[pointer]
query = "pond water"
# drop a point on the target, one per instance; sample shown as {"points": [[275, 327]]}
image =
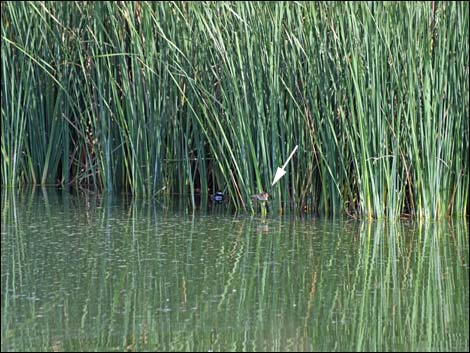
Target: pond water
{"points": [[82, 273]]}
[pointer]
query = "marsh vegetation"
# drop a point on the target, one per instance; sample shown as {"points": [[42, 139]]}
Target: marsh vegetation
{"points": [[158, 99]]}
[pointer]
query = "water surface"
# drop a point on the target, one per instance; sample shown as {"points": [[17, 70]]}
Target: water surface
{"points": [[113, 274]]}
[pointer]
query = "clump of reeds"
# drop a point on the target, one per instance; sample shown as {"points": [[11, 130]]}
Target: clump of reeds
{"points": [[188, 98]]}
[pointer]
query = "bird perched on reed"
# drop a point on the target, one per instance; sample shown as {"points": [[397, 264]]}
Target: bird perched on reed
{"points": [[260, 197]]}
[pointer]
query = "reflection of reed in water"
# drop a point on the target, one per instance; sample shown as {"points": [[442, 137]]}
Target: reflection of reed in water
{"points": [[299, 266], [262, 227]]}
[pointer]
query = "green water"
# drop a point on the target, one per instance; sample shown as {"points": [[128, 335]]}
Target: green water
{"points": [[110, 274]]}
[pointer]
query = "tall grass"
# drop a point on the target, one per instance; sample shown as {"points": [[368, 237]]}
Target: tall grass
{"points": [[191, 98]]}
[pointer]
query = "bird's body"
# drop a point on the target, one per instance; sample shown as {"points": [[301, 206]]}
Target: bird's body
{"points": [[260, 197], [217, 197]]}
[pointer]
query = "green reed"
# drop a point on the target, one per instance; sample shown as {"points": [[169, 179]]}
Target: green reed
{"points": [[191, 98]]}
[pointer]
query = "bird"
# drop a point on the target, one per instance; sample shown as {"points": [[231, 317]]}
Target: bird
{"points": [[260, 197], [217, 197]]}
